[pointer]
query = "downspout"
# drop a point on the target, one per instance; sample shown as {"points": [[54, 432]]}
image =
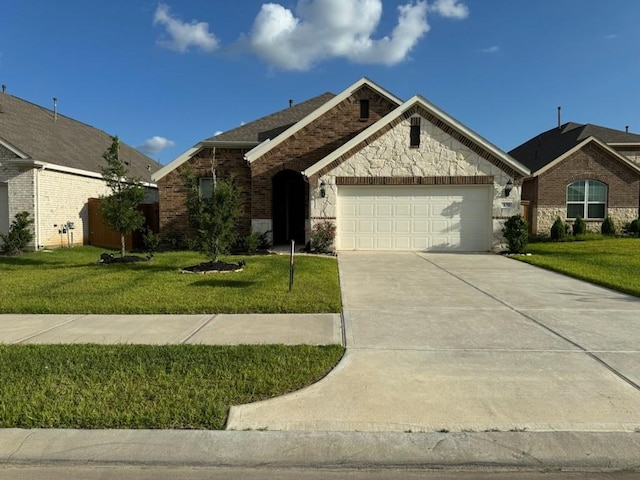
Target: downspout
{"points": [[37, 205]]}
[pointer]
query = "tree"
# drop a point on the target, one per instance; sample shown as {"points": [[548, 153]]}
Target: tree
{"points": [[120, 209], [213, 217]]}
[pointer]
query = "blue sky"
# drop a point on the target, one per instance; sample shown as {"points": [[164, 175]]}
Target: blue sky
{"points": [[165, 75]]}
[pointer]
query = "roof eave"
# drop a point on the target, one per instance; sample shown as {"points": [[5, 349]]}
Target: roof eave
{"points": [[577, 147]]}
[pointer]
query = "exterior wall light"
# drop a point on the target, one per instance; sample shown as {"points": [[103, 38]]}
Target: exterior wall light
{"points": [[508, 187], [323, 192]]}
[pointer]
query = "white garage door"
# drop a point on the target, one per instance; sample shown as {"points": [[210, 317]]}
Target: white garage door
{"points": [[434, 218]]}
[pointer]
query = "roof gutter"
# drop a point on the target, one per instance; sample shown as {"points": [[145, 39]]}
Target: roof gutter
{"points": [[60, 168]]}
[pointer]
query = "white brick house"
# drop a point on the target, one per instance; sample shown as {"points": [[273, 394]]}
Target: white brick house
{"points": [[50, 166]]}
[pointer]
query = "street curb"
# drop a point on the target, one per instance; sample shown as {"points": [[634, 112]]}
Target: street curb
{"points": [[513, 450]]}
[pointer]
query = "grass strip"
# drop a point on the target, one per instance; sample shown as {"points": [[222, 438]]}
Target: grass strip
{"points": [[70, 281], [90, 386], [610, 262]]}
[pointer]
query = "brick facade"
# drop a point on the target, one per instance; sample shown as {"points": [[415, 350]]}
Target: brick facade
{"points": [[298, 152], [311, 144], [229, 162], [547, 191]]}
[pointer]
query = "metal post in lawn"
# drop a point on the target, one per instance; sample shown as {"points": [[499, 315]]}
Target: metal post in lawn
{"points": [[291, 255]]}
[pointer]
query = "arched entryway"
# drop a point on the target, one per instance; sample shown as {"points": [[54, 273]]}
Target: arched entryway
{"points": [[288, 207]]}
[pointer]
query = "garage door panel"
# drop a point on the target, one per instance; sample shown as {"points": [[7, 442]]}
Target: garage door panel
{"points": [[445, 218]]}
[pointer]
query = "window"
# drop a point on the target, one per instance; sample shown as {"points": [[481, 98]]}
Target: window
{"points": [[206, 187], [414, 133], [364, 109], [587, 199]]}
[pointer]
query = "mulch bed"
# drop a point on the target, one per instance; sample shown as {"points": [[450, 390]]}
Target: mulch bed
{"points": [[109, 258], [214, 267]]}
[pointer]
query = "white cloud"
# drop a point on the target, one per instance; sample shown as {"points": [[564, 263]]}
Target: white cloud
{"points": [[155, 144], [183, 35], [491, 49], [450, 9], [324, 29]]}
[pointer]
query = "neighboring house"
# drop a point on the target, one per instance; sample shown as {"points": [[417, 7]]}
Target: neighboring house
{"points": [[581, 170], [50, 166], [391, 175]]}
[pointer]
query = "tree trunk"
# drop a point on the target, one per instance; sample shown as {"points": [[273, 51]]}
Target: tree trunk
{"points": [[122, 245]]}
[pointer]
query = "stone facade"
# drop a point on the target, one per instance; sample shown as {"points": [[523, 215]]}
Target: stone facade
{"points": [[547, 191], [439, 158]]}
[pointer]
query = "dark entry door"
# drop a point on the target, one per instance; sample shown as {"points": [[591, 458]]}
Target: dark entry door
{"points": [[288, 207]]}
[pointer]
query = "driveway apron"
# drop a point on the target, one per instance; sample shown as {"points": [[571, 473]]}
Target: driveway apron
{"points": [[469, 342]]}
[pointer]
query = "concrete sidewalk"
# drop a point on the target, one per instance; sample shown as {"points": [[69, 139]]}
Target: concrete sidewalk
{"points": [[222, 329]]}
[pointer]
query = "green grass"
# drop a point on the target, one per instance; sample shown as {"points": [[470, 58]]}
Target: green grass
{"points": [[70, 281], [141, 386], [610, 262]]}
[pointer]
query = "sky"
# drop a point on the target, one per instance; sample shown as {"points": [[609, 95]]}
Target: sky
{"points": [[165, 75]]}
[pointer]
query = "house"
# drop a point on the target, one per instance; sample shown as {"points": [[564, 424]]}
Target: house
{"points": [[580, 170], [50, 165], [391, 175]]}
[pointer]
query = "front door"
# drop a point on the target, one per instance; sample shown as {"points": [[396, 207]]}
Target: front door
{"points": [[288, 207]]}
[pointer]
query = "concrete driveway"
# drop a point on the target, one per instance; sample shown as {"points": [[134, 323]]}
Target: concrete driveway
{"points": [[469, 342]]}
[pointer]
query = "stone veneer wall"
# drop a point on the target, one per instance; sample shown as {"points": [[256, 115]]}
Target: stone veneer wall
{"points": [[439, 155], [547, 215]]}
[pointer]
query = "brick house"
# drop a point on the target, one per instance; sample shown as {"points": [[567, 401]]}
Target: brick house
{"points": [[50, 165], [581, 170], [390, 174]]}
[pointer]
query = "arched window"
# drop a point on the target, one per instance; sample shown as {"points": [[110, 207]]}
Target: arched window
{"points": [[587, 199]]}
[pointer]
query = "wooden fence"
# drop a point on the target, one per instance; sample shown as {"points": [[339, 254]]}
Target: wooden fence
{"points": [[100, 235]]}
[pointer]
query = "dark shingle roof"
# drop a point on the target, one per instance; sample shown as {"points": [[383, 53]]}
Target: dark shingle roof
{"points": [[67, 142], [546, 147], [274, 124]]}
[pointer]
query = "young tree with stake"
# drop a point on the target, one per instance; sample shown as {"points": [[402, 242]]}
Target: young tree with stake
{"points": [[120, 209]]}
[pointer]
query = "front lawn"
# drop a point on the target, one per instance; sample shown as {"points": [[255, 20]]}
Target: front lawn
{"points": [[142, 386], [70, 281], [610, 262]]}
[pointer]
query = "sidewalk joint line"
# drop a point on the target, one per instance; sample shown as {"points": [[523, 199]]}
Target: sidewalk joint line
{"points": [[198, 329], [22, 340]]}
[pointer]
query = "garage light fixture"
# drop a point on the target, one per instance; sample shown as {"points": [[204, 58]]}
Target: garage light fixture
{"points": [[323, 192], [508, 187]]}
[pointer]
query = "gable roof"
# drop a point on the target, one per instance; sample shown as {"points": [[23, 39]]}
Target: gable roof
{"points": [[36, 135], [272, 125], [548, 146], [250, 134], [268, 144], [419, 105]]}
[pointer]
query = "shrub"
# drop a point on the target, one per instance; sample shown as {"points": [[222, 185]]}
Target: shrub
{"points": [[558, 230], [322, 236], [608, 227], [151, 240], [579, 226], [252, 243], [632, 228], [516, 231], [19, 234]]}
